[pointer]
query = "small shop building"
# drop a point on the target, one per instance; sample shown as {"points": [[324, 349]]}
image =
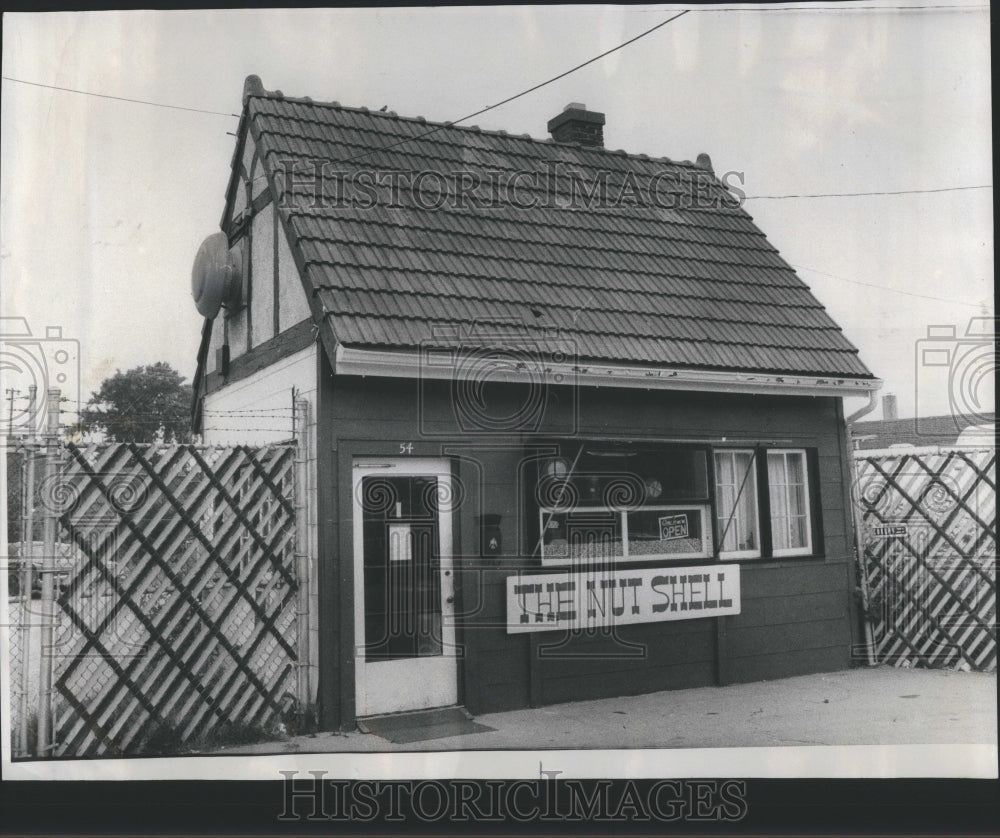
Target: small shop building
{"points": [[575, 429]]}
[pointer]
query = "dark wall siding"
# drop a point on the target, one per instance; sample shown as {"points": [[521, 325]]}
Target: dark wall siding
{"points": [[332, 710], [639, 659], [795, 611], [646, 680], [786, 610]]}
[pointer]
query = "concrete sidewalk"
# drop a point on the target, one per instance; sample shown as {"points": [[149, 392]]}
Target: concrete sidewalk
{"points": [[878, 706]]}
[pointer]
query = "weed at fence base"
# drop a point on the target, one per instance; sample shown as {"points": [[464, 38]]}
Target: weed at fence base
{"points": [[166, 739]]}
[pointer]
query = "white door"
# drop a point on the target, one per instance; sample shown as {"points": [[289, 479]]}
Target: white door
{"points": [[404, 627]]}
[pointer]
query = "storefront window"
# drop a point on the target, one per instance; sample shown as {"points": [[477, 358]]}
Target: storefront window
{"points": [[624, 504], [633, 504]]}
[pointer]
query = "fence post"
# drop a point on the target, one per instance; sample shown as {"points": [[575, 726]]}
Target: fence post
{"points": [[50, 518], [301, 557], [861, 562]]}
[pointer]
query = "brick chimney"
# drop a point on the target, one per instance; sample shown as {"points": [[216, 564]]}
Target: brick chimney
{"points": [[578, 125], [889, 411]]}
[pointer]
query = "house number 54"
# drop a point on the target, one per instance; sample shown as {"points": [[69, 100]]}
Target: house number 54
{"points": [[406, 448]]}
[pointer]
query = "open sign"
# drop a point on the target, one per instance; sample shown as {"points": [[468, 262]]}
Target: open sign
{"points": [[673, 526]]}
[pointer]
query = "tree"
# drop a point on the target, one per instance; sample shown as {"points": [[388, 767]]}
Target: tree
{"points": [[145, 404]]}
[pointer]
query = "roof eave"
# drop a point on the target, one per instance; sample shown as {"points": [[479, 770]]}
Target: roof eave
{"points": [[394, 363]]}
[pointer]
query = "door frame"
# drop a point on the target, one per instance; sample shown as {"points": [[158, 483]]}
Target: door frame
{"points": [[447, 662]]}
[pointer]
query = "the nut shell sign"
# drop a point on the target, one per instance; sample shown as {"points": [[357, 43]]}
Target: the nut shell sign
{"points": [[577, 600]]}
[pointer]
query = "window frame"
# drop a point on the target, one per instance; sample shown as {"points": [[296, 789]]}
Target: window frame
{"points": [[807, 550], [703, 509], [758, 553], [708, 507]]}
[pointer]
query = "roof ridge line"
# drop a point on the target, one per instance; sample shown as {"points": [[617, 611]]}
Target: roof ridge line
{"points": [[645, 158], [440, 126], [539, 158]]}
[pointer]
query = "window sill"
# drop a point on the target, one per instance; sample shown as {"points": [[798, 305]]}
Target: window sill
{"points": [[780, 561]]}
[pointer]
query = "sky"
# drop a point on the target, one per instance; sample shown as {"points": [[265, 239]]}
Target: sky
{"points": [[103, 202]]}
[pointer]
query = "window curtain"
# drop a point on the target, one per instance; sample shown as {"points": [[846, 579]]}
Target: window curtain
{"points": [[786, 477], [740, 527]]}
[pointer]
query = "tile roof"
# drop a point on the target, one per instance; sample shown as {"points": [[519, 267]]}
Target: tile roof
{"points": [[680, 277]]}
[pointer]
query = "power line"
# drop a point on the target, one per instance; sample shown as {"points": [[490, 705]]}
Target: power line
{"points": [[117, 98], [587, 63], [434, 130], [531, 89], [832, 9], [864, 194], [887, 288]]}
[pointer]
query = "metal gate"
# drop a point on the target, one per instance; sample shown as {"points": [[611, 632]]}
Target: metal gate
{"points": [[167, 599], [927, 530]]}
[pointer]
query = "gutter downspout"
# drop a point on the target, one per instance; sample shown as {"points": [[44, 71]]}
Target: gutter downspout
{"points": [[863, 411], [859, 549]]}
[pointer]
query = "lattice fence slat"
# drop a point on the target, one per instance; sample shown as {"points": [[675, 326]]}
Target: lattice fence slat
{"points": [[928, 527], [176, 606]]}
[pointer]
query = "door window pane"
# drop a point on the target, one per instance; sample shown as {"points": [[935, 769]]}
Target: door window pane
{"points": [[736, 503], [402, 568]]}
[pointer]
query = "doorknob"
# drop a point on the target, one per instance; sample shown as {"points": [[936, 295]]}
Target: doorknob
{"points": [[450, 600]]}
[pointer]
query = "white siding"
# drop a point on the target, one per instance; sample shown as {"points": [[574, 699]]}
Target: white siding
{"points": [[262, 276], [257, 410], [218, 328], [293, 306], [258, 184], [237, 324]]}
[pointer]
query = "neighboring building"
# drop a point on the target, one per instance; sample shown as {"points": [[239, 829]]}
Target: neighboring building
{"points": [[528, 417], [922, 431]]}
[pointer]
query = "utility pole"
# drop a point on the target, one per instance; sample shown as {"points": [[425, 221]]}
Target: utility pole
{"points": [[10, 411], [32, 409]]}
